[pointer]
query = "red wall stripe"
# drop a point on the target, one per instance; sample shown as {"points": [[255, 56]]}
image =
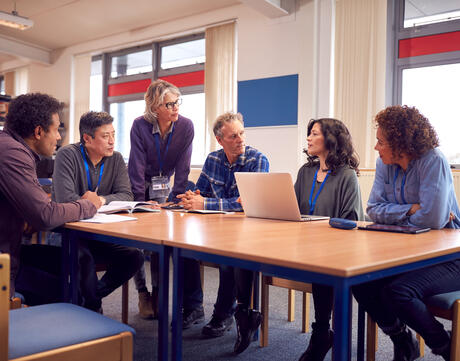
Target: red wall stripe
{"points": [[186, 79], [431, 44], [130, 87], [140, 86]]}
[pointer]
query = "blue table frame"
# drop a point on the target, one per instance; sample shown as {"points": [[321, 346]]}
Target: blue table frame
{"points": [[342, 293], [70, 271], [175, 244]]}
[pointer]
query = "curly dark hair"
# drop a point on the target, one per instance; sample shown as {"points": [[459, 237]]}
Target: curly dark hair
{"points": [[338, 142], [407, 131], [90, 121], [28, 111]]}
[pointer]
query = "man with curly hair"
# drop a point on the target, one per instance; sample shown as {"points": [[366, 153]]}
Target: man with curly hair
{"points": [[413, 186], [31, 130]]}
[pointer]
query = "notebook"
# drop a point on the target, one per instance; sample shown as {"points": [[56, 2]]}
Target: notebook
{"points": [[270, 195]]}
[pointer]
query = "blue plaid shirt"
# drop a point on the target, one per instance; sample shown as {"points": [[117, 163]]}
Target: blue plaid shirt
{"points": [[217, 183]]}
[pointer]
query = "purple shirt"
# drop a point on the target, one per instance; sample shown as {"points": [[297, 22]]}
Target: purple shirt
{"points": [[23, 200], [143, 159]]}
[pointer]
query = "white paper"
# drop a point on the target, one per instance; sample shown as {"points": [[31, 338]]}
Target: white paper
{"points": [[108, 218]]}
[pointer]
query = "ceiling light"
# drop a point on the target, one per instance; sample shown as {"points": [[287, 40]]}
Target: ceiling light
{"points": [[13, 20]]}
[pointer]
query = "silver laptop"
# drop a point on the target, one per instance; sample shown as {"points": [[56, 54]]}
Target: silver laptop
{"points": [[270, 195]]}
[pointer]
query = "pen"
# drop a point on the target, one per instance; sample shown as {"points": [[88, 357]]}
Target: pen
{"points": [[95, 191]]}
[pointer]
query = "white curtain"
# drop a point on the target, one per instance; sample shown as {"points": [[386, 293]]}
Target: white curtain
{"points": [[360, 56], [21, 81], [220, 76]]}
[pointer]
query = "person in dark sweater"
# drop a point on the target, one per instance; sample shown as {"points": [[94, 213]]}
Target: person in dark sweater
{"points": [[327, 185], [31, 130], [93, 166], [161, 145]]}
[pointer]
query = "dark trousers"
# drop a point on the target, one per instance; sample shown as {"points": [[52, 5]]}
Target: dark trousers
{"points": [[121, 264], [323, 297], [234, 284], [38, 278], [193, 291], [397, 299]]}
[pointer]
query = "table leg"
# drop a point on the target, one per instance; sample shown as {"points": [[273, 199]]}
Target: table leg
{"points": [[163, 328], [178, 290], [69, 266], [361, 329], [342, 321]]}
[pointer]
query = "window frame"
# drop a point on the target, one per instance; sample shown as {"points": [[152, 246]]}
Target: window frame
{"points": [[156, 72], [396, 12], [396, 65]]}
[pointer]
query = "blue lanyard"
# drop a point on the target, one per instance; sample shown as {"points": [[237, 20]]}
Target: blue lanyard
{"points": [[312, 204], [157, 144], [403, 182], [88, 176]]}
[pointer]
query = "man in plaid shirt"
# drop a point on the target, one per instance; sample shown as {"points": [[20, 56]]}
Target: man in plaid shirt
{"points": [[216, 190]]}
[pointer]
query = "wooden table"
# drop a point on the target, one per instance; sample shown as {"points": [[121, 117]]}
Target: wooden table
{"points": [[301, 251], [305, 251]]}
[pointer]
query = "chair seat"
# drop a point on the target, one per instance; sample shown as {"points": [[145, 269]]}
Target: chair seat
{"points": [[443, 301], [47, 327]]}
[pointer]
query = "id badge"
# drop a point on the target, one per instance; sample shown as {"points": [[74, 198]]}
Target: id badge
{"points": [[159, 188]]}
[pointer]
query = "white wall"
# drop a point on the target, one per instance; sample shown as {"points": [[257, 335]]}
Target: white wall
{"points": [[266, 48], [276, 47]]}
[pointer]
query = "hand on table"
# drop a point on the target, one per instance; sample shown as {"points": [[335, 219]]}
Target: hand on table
{"points": [[191, 200], [93, 198]]}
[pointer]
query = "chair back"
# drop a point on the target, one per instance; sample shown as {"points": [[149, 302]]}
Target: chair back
{"points": [[4, 304]]}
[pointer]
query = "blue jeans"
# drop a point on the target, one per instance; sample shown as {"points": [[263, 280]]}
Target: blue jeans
{"points": [[397, 299]]}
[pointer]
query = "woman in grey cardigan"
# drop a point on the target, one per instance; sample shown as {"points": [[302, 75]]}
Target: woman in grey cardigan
{"points": [[327, 185]]}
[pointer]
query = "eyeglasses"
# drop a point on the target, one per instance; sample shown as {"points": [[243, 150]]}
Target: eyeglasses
{"points": [[171, 105]]}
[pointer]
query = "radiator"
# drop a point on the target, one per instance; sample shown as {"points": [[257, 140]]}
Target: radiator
{"points": [[366, 179]]}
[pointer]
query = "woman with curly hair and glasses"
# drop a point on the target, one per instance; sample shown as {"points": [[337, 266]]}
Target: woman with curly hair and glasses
{"points": [[327, 185], [413, 186]]}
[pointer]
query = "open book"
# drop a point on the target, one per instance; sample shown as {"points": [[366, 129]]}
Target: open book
{"points": [[126, 206]]}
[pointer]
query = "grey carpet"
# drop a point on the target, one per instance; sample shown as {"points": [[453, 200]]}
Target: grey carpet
{"points": [[286, 342]]}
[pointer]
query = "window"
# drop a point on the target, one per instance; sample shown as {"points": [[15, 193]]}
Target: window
{"points": [[129, 72], [2, 85], [189, 53], [423, 12], [132, 63], [426, 65]]}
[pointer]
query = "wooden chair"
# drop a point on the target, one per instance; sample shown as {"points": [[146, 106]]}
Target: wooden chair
{"points": [[58, 331], [15, 303], [124, 295], [445, 305], [292, 286]]}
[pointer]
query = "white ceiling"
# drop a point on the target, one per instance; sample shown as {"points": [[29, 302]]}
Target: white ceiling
{"points": [[61, 23]]}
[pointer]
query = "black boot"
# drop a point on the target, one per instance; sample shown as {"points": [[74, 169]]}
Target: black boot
{"points": [[406, 347], [247, 323], [320, 343], [444, 351]]}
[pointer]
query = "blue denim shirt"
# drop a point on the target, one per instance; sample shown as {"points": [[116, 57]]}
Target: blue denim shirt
{"points": [[217, 181], [428, 181]]}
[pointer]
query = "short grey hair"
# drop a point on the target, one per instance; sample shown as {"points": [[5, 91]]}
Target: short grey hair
{"points": [[155, 95], [228, 117]]}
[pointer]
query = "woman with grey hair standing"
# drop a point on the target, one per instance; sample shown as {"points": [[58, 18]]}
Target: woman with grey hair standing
{"points": [[161, 145]]}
